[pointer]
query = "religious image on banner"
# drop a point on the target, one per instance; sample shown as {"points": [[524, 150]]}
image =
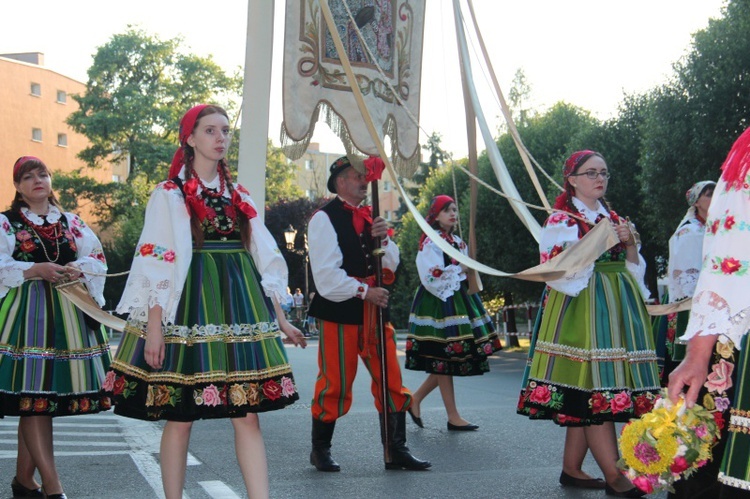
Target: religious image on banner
{"points": [[387, 58]]}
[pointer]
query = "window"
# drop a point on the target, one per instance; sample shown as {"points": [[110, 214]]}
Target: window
{"points": [[62, 97], [115, 178], [387, 215], [36, 89], [386, 186], [308, 164], [36, 134], [310, 194], [62, 140]]}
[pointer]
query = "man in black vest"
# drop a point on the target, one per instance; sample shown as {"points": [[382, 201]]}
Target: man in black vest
{"points": [[341, 240]]}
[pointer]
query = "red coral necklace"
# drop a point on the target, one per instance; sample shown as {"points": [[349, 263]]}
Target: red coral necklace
{"points": [[210, 192]]}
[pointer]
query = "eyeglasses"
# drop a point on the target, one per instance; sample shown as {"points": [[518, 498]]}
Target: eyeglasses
{"points": [[592, 174]]}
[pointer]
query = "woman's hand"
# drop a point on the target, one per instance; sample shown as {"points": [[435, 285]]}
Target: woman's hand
{"points": [[693, 370], [293, 335], [624, 234], [153, 353], [48, 271]]}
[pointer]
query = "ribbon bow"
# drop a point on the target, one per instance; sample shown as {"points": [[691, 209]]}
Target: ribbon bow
{"points": [[374, 166], [360, 215], [193, 200], [245, 207]]}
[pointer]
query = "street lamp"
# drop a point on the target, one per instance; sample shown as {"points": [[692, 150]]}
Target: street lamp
{"points": [[289, 235]]}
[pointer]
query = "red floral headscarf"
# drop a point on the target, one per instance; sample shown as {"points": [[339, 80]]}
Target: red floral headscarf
{"points": [[438, 204], [737, 164], [571, 165], [22, 161]]}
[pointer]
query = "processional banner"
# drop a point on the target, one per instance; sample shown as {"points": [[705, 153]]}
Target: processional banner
{"points": [[389, 60]]}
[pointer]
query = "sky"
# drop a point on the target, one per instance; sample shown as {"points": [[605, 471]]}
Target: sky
{"points": [[589, 53]]}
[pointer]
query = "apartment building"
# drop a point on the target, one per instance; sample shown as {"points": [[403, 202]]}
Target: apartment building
{"points": [[312, 176], [35, 102]]}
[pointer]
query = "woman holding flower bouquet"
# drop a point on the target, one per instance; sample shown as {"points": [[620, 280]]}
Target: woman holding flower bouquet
{"points": [[450, 333], [719, 321], [592, 361], [203, 298]]}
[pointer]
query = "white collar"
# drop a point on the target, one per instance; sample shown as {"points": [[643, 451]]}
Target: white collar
{"points": [[213, 184], [52, 216], [587, 212]]}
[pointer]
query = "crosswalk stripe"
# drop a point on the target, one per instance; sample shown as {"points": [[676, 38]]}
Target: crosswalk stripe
{"points": [[219, 490]]}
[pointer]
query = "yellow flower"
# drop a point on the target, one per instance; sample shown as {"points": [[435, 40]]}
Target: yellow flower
{"points": [[725, 349], [708, 402]]}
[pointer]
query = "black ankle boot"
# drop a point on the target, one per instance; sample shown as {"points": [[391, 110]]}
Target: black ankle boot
{"points": [[320, 457], [401, 458]]}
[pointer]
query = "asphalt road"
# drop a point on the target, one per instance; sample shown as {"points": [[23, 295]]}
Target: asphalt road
{"points": [[106, 456]]}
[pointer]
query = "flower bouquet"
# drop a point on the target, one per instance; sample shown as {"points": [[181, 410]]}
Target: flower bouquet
{"points": [[666, 444]]}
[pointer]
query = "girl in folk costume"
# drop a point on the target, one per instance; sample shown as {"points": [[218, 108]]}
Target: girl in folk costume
{"points": [[203, 299], [450, 333], [719, 322], [592, 360], [52, 357], [685, 255]]}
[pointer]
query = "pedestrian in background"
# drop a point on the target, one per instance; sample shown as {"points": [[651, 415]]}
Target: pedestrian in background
{"points": [[592, 361], [204, 301], [299, 304], [450, 332], [52, 356]]}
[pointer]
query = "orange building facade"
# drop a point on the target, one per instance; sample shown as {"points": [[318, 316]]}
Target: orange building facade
{"points": [[35, 102]]}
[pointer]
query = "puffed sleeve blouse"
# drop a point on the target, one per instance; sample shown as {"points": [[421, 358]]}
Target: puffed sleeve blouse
{"points": [[438, 278]]}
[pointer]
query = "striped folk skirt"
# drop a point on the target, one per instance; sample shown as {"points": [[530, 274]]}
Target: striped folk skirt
{"points": [[53, 357], [592, 357], [223, 355], [735, 468], [452, 337]]}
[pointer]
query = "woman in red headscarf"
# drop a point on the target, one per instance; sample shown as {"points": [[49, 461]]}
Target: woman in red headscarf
{"points": [[450, 333], [592, 362], [52, 356], [203, 298]]}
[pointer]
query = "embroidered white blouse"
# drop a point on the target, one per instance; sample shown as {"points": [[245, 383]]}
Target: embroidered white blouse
{"points": [[90, 257], [558, 234], [165, 248], [685, 256], [721, 303], [326, 258], [439, 279]]}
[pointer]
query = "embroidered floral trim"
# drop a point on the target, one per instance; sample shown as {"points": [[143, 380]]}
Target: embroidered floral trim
{"points": [[644, 389], [596, 355], [153, 250], [728, 266]]}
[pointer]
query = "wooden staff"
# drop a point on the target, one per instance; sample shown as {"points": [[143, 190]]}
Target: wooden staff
{"points": [[373, 175]]}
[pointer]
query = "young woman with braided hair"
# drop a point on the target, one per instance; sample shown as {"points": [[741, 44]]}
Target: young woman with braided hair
{"points": [[592, 361], [203, 299]]}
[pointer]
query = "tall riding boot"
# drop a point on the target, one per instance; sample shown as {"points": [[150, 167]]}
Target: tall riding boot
{"points": [[401, 458], [320, 457]]}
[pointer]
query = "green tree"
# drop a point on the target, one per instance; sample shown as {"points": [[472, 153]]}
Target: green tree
{"points": [[280, 177], [691, 122], [137, 90]]}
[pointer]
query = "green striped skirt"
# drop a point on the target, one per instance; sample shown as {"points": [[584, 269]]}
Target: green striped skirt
{"points": [[53, 357], [735, 468], [452, 337], [224, 355], [593, 357]]}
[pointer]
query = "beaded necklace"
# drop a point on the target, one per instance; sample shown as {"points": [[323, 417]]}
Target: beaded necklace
{"points": [[210, 193], [52, 233]]}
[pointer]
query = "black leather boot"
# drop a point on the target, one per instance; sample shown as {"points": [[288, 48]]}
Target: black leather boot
{"points": [[320, 457], [401, 458]]}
